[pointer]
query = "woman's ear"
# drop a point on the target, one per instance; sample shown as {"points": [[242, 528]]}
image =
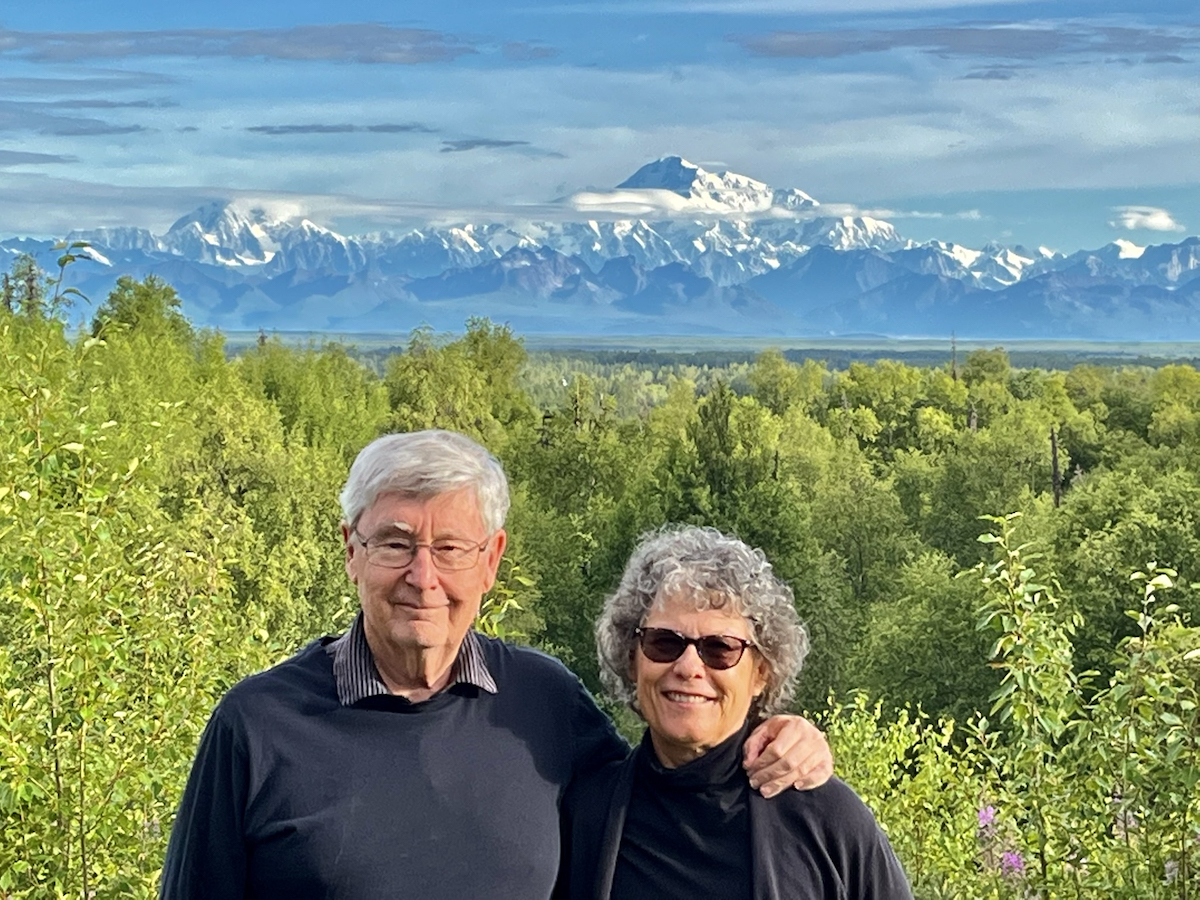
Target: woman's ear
{"points": [[633, 679], [762, 675]]}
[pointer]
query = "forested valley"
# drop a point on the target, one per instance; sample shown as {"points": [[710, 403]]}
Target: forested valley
{"points": [[996, 566]]}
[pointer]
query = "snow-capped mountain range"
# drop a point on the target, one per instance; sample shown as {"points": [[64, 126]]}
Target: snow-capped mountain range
{"points": [[672, 249]]}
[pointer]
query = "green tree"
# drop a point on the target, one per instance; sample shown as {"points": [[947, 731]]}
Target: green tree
{"points": [[150, 306], [1112, 523], [122, 632], [986, 366], [1175, 392], [921, 647], [467, 385], [1003, 466], [891, 391], [780, 385], [325, 397], [23, 289]]}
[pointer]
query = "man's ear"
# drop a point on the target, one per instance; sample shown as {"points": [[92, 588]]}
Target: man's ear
{"points": [[492, 556], [349, 549]]}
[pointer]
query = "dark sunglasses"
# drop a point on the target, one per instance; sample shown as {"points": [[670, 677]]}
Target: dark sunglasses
{"points": [[717, 651]]}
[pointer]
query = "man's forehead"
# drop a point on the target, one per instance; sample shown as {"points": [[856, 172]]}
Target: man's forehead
{"points": [[406, 511]]}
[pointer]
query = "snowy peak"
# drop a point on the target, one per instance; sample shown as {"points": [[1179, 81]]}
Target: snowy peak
{"points": [[964, 256], [119, 238], [229, 217], [792, 199], [227, 233], [1174, 263], [310, 247], [705, 193], [670, 173], [1128, 249], [854, 233]]}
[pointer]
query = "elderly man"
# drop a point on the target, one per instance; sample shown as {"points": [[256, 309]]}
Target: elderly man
{"points": [[410, 757]]}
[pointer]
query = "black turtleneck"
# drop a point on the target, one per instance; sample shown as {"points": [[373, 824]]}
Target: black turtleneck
{"points": [[637, 830], [687, 831]]}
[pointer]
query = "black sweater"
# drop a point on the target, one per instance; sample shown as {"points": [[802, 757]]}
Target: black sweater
{"points": [[295, 796], [687, 829], [822, 843]]}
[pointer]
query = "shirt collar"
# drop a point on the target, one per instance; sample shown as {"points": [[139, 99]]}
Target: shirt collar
{"points": [[356, 677]]}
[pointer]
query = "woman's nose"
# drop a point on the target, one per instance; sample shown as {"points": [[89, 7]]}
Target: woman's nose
{"points": [[689, 663]]}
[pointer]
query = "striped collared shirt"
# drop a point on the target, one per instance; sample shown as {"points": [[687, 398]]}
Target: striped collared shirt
{"points": [[356, 677]]}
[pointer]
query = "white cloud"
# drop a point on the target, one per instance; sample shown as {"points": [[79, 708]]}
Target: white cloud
{"points": [[1151, 218], [630, 202], [850, 209]]}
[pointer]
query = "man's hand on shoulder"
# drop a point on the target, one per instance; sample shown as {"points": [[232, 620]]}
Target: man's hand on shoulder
{"points": [[787, 751]]}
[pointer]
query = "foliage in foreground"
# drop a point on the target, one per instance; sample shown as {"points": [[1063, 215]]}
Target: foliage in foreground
{"points": [[1068, 792], [168, 524]]}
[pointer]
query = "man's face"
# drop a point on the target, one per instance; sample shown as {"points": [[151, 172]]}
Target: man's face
{"points": [[422, 607]]}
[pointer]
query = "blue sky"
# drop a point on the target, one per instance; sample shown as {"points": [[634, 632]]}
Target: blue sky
{"points": [[1066, 124]]}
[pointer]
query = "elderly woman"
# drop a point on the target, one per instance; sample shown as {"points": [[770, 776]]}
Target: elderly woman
{"points": [[702, 640]]}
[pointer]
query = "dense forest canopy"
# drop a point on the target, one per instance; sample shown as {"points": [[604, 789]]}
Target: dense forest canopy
{"points": [[1020, 711]]}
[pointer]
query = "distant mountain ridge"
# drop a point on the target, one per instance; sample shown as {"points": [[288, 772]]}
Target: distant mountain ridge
{"points": [[712, 253]]}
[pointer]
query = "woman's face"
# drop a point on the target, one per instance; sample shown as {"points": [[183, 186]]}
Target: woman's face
{"points": [[690, 707]]}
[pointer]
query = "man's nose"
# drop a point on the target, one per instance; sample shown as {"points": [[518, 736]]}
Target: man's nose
{"points": [[421, 572]]}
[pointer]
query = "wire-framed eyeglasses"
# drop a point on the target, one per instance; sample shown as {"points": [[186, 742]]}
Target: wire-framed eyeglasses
{"points": [[394, 550]]}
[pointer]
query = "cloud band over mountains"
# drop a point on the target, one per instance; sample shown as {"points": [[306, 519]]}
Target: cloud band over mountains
{"points": [[1016, 41], [462, 146], [25, 158], [346, 42], [315, 128]]}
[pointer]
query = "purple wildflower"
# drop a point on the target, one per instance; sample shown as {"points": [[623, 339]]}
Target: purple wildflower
{"points": [[1012, 864], [987, 815]]}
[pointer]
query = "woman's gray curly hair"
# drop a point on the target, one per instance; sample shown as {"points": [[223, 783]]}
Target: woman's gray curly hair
{"points": [[713, 571]]}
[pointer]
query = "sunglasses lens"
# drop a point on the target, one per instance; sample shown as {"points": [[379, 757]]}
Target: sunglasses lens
{"points": [[718, 653], [661, 645]]}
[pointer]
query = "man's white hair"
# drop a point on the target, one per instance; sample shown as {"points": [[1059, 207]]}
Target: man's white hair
{"points": [[424, 464]]}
